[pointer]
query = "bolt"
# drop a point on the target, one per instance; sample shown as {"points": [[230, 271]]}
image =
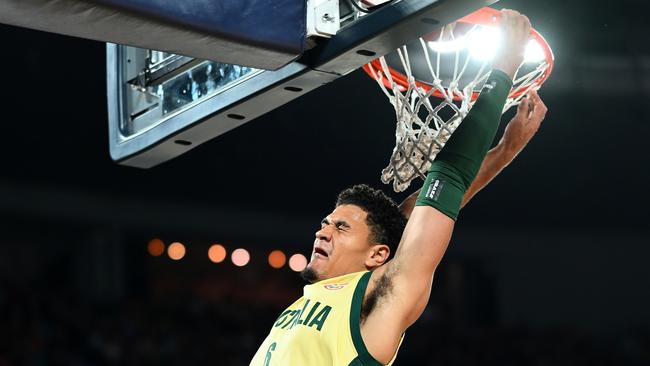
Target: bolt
{"points": [[328, 18]]}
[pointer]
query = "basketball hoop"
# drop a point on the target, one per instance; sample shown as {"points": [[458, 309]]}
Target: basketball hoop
{"points": [[432, 98]]}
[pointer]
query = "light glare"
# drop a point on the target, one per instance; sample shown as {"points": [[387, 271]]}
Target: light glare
{"points": [[277, 259], [448, 46], [482, 44], [156, 247], [534, 52], [297, 262], [217, 253], [240, 257], [176, 251]]}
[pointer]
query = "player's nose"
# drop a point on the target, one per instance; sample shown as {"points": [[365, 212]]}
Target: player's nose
{"points": [[324, 234]]}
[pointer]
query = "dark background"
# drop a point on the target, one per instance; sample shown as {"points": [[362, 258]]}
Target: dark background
{"points": [[548, 265]]}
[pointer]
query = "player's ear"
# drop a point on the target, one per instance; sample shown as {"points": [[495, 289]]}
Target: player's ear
{"points": [[379, 254]]}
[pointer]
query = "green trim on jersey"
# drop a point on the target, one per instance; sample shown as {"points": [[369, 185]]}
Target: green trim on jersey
{"points": [[356, 362], [364, 358]]}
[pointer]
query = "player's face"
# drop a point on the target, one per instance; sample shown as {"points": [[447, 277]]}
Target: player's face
{"points": [[342, 244]]}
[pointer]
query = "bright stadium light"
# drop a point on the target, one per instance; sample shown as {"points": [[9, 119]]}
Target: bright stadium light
{"points": [[277, 259], [482, 44], [217, 253], [240, 257], [448, 46], [156, 247], [534, 52], [176, 251], [297, 262]]}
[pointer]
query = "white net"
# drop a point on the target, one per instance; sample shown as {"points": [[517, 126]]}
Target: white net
{"points": [[427, 115]]}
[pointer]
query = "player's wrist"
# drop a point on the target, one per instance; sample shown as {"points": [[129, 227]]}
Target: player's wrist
{"points": [[508, 68]]}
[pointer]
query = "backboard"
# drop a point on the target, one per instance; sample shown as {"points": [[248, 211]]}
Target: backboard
{"points": [[162, 104]]}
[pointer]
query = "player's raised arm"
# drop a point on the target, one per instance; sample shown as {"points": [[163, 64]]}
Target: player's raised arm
{"points": [[405, 282], [521, 128], [519, 131], [429, 229]]}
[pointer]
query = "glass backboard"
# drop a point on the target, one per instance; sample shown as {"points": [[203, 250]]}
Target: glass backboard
{"points": [[162, 105]]}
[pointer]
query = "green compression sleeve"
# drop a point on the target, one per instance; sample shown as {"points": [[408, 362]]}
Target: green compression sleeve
{"points": [[458, 162]]}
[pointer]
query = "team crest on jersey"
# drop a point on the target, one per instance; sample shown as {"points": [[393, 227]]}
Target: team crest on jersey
{"points": [[335, 286]]}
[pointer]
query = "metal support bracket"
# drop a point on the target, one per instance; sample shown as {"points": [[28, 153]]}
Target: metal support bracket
{"points": [[323, 19]]}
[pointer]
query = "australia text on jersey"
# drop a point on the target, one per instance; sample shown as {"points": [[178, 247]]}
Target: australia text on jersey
{"points": [[316, 316]]}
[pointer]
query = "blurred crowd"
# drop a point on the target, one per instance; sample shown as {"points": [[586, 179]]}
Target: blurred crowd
{"points": [[52, 326]]}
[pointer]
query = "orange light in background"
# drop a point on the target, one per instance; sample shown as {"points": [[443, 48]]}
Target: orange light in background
{"points": [[176, 251], [277, 259], [156, 247], [240, 257], [297, 262], [217, 253]]}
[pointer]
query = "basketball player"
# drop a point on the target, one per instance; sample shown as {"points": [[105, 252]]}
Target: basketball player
{"points": [[359, 305]]}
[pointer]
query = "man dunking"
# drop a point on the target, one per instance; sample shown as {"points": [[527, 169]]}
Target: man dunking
{"points": [[359, 304]]}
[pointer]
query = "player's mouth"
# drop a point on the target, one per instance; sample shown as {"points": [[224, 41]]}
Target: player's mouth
{"points": [[320, 253]]}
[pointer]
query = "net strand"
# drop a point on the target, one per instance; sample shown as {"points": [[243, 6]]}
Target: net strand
{"points": [[426, 119]]}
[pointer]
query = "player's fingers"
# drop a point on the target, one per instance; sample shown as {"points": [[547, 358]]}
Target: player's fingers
{"points": [[538, 101], [534, 98], [527, 109], [526, 23], [523, 105], [509, 12], [505, 17], [509, 17], [531, 107], [517, 20], [540, 109]]}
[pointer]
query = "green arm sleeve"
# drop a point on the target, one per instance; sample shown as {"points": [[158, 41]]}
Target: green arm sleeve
{"points": [[458, 163]]}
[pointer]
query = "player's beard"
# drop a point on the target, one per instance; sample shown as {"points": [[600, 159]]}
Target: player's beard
{"points": [[309, 275]]}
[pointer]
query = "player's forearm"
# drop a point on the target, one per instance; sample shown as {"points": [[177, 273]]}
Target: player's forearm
{"points": [[495, 161], [429, 228], [458, 163]]}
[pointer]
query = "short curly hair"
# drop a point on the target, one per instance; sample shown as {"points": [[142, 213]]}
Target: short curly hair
{"points": [[385, 220]]}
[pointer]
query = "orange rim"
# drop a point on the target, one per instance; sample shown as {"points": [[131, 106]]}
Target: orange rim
{"points": [[484, 16]]}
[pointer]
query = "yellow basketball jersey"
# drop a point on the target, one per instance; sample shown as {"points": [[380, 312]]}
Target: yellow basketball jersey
{"points": [[321, 328]]}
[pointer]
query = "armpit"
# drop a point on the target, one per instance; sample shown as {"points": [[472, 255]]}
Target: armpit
{"points": [[382, 289]]}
